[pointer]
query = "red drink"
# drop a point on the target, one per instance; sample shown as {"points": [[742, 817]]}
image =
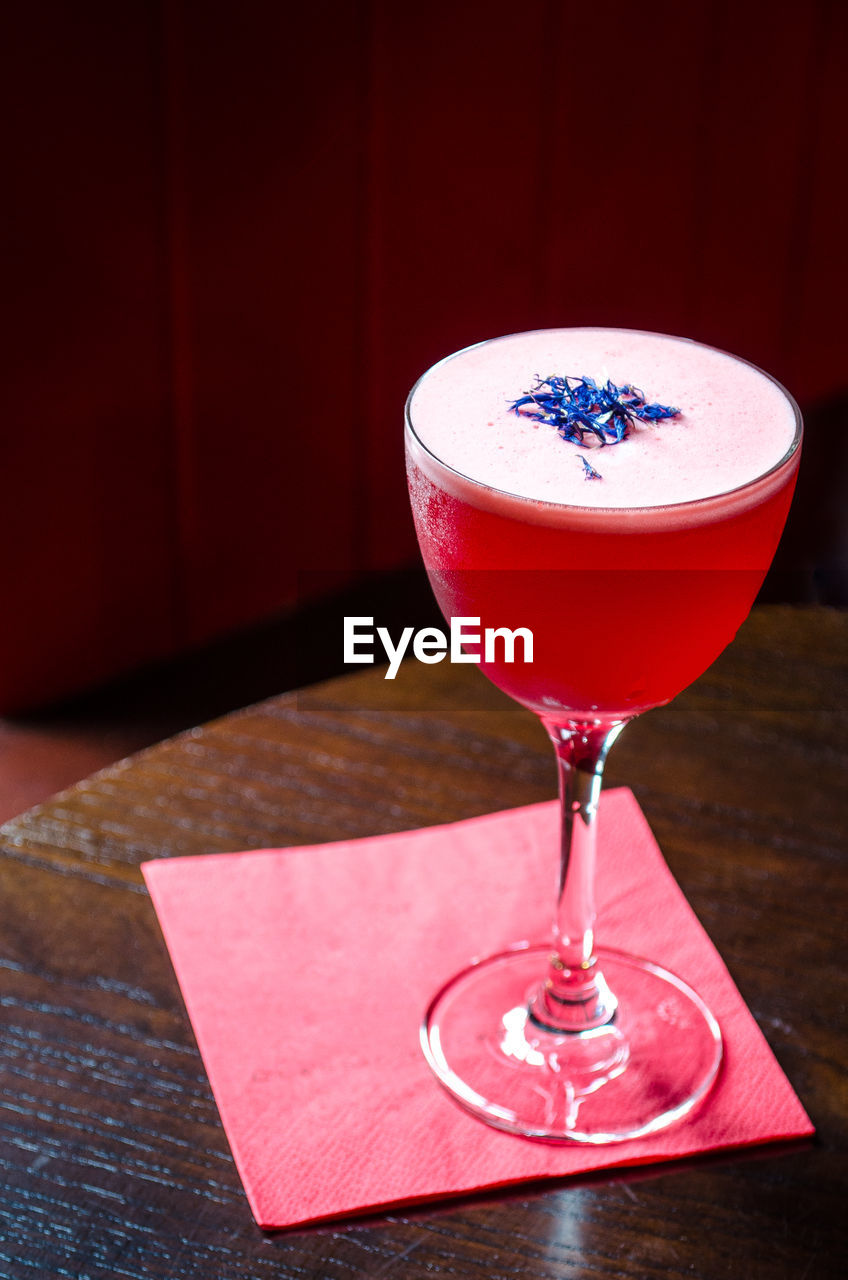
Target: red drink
{"points": [[630, 538], [628, 599]]}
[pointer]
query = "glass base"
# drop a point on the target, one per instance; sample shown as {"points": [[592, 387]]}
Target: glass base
{"points": [[640, 1073]]}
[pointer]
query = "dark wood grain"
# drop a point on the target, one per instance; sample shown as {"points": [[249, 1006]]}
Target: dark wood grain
{"points": [[114, 1161]]}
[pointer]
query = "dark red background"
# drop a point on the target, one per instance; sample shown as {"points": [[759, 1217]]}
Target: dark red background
{"points": [[238, 232]]}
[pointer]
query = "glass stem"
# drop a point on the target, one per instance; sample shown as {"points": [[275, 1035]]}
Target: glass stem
{"points": [[574, 996]]}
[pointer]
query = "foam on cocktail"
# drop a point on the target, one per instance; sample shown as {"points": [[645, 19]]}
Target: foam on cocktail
{"points": [[735, 423]]}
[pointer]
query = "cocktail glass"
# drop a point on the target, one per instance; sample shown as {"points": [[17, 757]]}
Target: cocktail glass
{"points": [[561, 1040]]}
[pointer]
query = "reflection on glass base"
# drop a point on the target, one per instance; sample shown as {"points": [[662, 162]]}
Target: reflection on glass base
{"points": [[644, 1071]]}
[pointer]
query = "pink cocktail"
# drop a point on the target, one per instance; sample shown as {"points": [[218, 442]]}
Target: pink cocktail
{"points": [[628, 602], [632, 570]]}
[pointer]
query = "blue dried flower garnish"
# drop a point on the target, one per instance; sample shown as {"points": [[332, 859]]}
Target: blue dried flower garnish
{"points": [[580, 407]]}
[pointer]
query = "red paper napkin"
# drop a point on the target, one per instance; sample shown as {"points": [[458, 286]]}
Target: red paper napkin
{"points": [[305, 973]]}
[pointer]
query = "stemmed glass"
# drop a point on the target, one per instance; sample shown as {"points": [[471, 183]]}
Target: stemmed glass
{"points": [[561, 1041]]}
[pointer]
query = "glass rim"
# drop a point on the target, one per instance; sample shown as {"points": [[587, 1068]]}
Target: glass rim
{"points": [[670, 507]]}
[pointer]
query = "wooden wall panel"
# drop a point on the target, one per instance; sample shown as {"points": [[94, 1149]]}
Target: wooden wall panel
{"points": [[648, 166], [751, 189], [455, 254], [816, 304], [86, 571], [265, 180], [625, 190], [238, 233]]}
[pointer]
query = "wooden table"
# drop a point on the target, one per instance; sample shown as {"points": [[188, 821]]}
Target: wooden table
{"points": [[114, 1160]]}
